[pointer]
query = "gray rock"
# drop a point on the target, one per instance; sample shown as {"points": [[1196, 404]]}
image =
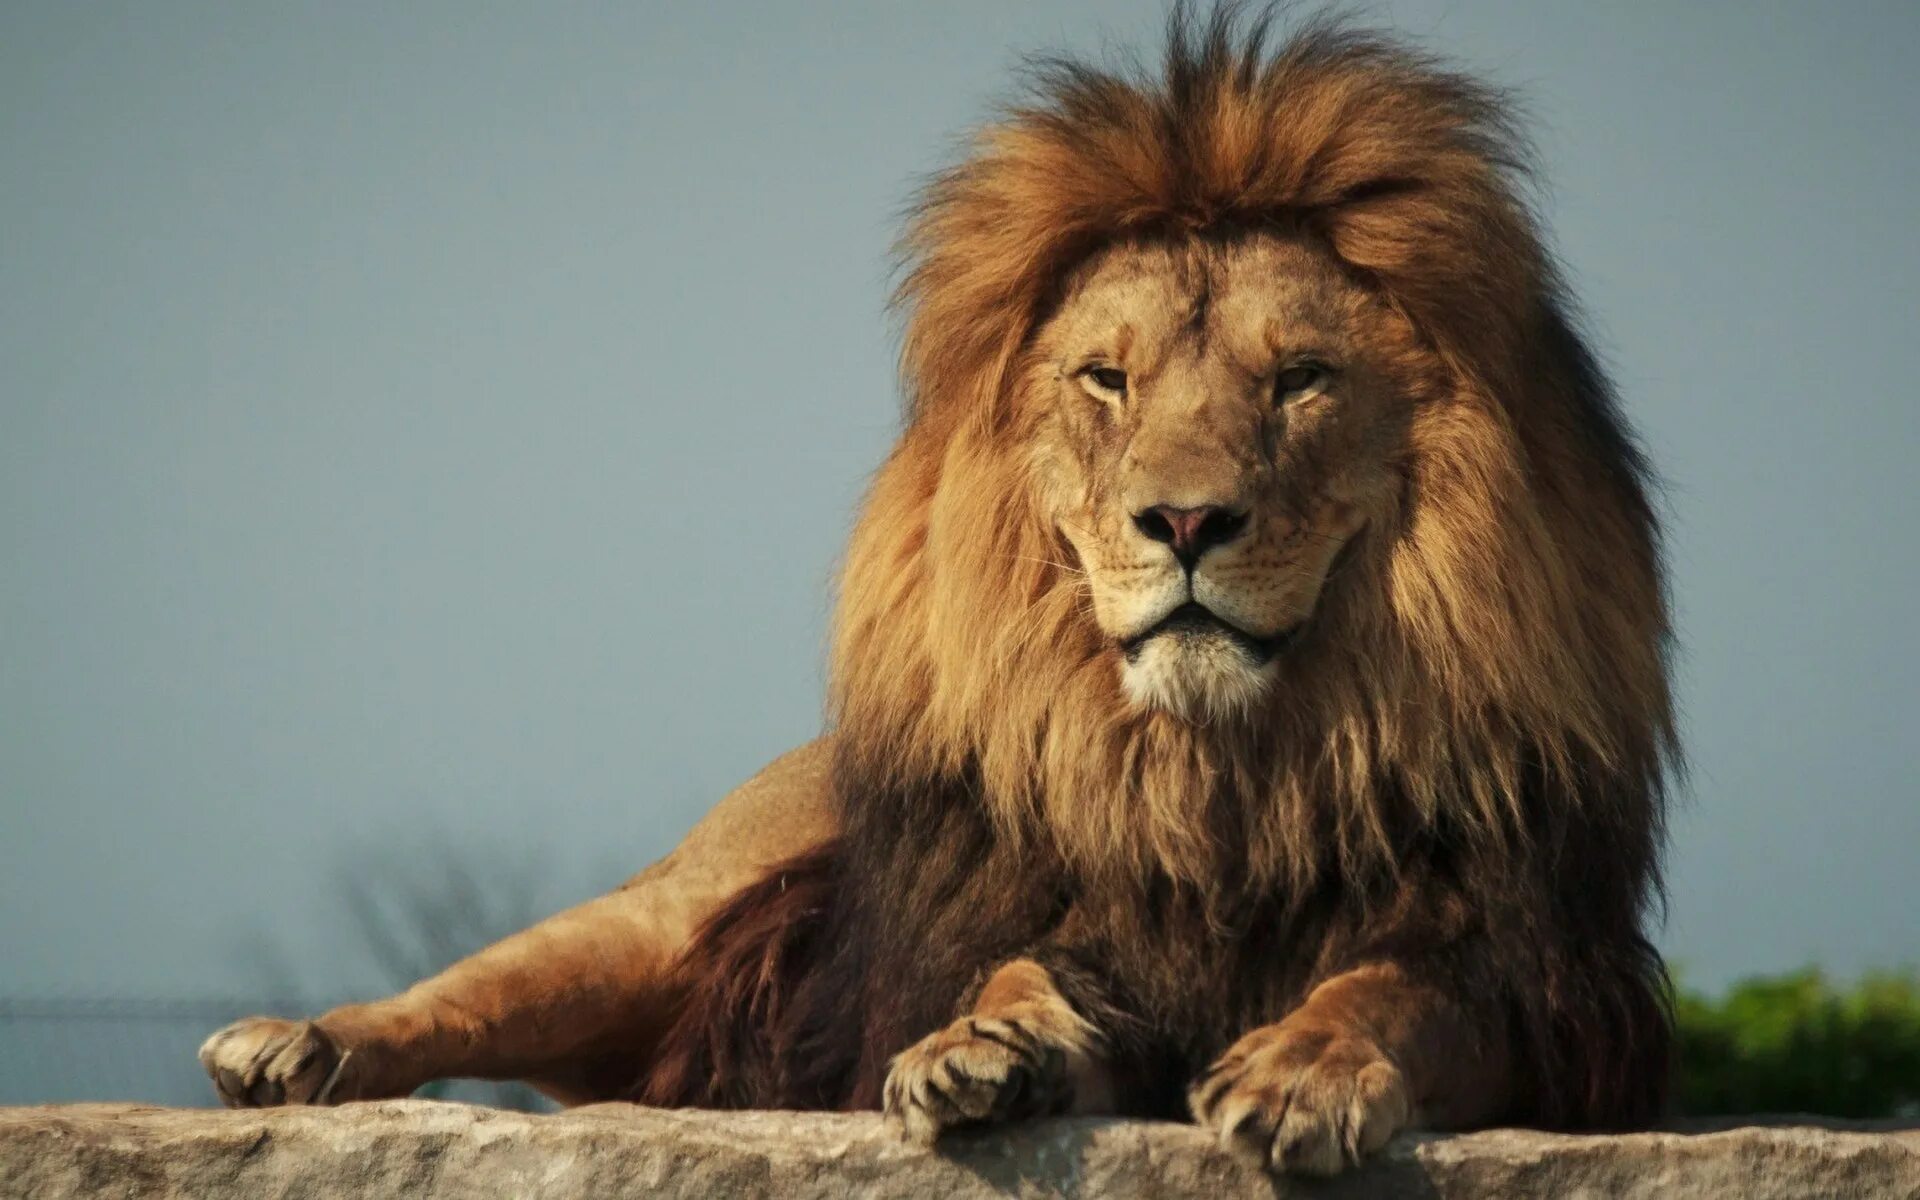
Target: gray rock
{"points": [[423, 1148]]}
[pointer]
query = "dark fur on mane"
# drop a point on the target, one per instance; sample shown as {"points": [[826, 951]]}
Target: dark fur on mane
{"points": [[1508, 850]]}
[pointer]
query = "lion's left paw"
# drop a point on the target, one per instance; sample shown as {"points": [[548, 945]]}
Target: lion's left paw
{"points": [[1302, 1101], [976, 1070]]}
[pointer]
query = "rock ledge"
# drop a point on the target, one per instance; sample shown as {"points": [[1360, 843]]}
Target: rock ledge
{"points": [[417, 1147]]}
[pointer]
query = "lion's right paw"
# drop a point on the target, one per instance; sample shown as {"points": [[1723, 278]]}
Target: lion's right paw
{"points": [[263, 1061], [977, 1069]]}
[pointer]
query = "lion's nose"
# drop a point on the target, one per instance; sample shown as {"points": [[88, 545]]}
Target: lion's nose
{"points": [[1191, 532]]}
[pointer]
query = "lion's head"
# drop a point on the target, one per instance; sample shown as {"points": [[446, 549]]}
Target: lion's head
{"points": [[1257, 496], [1216, 420]]}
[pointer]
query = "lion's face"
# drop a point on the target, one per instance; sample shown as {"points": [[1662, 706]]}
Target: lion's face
{"points": [[1218, 420]]}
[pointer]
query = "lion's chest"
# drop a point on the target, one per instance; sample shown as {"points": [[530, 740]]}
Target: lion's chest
{"points": [[1190, 974]]}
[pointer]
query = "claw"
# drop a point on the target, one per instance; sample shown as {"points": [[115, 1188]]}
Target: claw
{"points": [[978, 1069], [261, 1061], [1313, 1104]]}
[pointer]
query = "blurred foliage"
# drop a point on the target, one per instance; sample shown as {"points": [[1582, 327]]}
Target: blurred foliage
{"points": [[1796, 1043]]}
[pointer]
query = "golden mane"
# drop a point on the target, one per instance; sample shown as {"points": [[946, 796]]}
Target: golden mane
{"points": [[1496, 659]]}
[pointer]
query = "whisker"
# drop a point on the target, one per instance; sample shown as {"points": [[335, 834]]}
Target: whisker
{"points": [[1047, 562]]}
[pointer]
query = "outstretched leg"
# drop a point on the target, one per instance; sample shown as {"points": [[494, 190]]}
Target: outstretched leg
{"points": [[573, 1004]]}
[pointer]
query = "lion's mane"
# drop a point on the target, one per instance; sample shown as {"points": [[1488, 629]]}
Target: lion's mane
{"points": [[1468, 747]]}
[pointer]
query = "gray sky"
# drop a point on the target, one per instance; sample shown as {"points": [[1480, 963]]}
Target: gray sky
{"points": [[441, 420]]}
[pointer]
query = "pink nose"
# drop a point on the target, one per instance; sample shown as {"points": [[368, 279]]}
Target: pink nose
{"points": [[1191, 532]]}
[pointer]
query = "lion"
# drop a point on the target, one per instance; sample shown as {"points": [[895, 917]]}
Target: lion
{"points": [[1249, 690]]}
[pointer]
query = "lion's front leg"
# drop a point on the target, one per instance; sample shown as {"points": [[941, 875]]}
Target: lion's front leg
{"points": [[1370, 1053], [1021, 1052], [574, 1005], [585, 981]]}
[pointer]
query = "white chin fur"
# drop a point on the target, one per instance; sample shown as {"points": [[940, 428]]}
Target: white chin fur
{"points": [[1198, 678]]}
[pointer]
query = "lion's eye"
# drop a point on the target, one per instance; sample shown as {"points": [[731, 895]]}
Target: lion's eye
{"points": [[1302, 381], [1106, 383]]}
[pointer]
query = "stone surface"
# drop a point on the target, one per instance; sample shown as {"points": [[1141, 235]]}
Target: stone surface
{"points": [[422, 1148]]}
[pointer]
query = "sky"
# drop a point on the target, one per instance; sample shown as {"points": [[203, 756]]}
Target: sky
{"points": [[427, 433]]}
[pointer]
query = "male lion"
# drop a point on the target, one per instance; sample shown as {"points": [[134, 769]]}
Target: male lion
{"points": [[1249, 690]]}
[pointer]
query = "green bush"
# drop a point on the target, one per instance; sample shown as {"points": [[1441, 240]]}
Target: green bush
{"points": [[1796, 1044]]}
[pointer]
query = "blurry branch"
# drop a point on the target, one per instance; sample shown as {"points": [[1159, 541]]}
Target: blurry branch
{"points": [[419, 910], [419, 905]]}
